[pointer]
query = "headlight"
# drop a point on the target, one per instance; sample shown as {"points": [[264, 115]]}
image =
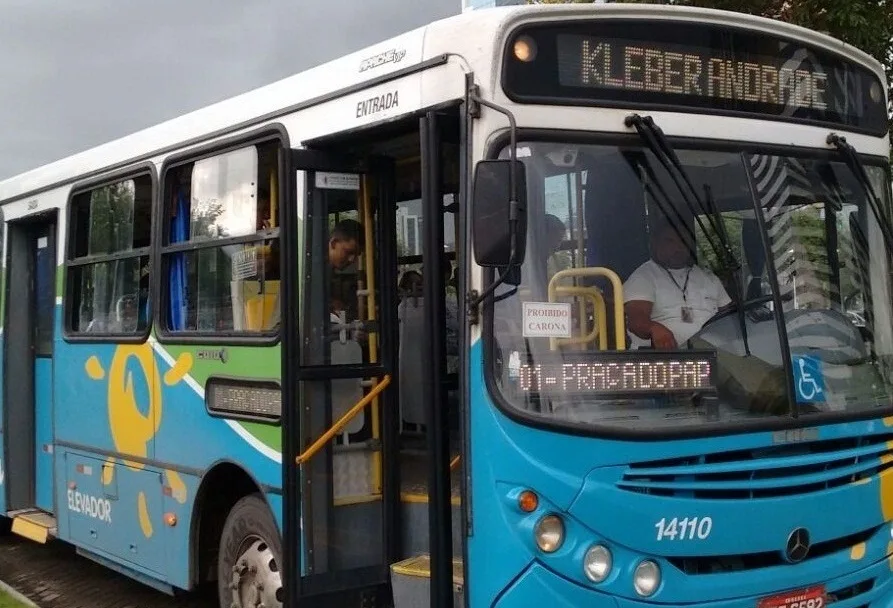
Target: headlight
{"points": [[597, 563], [549, 533], [647, 578]]}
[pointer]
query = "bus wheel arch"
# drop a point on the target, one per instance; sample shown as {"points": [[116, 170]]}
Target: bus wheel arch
{"points": [[221, 488]]}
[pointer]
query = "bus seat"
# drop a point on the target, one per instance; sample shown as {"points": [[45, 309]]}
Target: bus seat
{"points": [[615, 222], [411, 318], [255, 304], [348, 392]]}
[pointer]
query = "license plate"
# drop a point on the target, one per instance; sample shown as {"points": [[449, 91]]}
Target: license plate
{"points": [[812, 597]]}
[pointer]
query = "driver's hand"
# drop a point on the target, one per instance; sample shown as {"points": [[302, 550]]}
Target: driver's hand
{"points": [[662, 338]]}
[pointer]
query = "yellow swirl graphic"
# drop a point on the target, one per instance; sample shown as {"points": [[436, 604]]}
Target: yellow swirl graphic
{"points": [[131, 430], [145, 522]]}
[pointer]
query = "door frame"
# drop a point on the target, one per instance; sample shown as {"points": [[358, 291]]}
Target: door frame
{"points": [[307, 162], [19, 357]]}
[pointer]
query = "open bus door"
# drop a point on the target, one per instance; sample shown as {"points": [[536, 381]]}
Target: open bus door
{"points": [[342, 490], [28, 414]]}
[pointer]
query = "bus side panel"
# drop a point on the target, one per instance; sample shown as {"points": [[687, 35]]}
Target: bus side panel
{"points": [[179, 492], [140, 518], [2, 421], [147, 402], [115, 509], [189, 436]]}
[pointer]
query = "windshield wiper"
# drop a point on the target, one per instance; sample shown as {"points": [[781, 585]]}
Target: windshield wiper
{"points": [[852, 160], [655, 139]]}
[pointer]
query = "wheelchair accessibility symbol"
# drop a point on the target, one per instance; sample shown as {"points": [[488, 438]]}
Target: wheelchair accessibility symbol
{"points": [[809, 380]]}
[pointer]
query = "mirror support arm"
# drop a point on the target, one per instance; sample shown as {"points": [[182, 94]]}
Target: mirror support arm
{"points": [[475, 300]]}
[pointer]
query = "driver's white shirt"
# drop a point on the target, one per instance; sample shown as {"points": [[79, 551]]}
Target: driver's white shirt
{"points": [[705, 293]]}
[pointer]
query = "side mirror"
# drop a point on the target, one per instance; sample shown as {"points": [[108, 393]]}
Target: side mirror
{"points": [[492, 210]]}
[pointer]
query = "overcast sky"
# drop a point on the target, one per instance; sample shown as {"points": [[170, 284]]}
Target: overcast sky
{"points": [[76, 73]]}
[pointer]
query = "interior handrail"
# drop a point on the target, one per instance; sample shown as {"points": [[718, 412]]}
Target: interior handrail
{"points": [[343, 421], [616, 285], [599, 328]]}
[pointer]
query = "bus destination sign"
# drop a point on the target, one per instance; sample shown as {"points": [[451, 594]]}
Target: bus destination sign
{"points": [[628, 373], [691, 67], [644, 67]]}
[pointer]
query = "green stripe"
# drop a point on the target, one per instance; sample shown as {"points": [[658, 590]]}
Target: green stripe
{"points": [[249, 362]]}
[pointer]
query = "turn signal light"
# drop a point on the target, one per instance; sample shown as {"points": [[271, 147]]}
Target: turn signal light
{"points": [[528, 501]]}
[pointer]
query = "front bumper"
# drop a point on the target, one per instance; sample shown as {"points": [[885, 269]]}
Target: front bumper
{"points": [[870, 587]]}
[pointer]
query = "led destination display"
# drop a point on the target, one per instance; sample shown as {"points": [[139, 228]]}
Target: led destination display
{"points": [[622, 373], [691, 67]]}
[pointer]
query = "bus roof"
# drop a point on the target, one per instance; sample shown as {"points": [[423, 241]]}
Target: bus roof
{"points": [[449, 35]]}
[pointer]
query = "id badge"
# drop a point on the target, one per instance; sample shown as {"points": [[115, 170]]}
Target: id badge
{"points": [[687, 315]]}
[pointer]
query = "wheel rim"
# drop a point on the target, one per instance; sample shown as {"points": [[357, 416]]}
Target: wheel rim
{"points": [[256, 581]]}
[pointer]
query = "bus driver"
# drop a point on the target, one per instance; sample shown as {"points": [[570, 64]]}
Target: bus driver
{"points": [[669, 298]]}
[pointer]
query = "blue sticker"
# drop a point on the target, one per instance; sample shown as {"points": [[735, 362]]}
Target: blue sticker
{"points": [[809, 381]]}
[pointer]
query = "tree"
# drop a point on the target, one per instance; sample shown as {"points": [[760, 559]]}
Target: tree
{"points": [[865, 25]]}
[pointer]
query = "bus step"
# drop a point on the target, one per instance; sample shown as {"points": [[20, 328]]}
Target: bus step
{"points": [[411, 582], [34, 525]]}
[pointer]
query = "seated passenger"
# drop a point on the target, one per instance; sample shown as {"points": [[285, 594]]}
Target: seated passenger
{"points": [[669, 298]]}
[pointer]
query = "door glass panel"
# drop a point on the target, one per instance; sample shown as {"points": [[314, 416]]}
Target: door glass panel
{"points": [[411, 307], [340, 294], [44, 292], [342, 481]]}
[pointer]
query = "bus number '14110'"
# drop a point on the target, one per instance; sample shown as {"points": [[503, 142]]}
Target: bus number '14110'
{"points": [[688, 528]]}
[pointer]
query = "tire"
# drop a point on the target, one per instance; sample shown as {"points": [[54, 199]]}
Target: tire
{"points": [[250, 557]]}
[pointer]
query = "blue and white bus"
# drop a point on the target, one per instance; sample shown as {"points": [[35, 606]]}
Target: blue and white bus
{"points": [[398, 330]]}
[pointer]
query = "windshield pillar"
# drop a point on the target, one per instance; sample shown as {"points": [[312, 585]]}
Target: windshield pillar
{"points": [[758, 204]]}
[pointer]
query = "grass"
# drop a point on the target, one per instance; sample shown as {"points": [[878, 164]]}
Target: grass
{"points": [[8, 602]]}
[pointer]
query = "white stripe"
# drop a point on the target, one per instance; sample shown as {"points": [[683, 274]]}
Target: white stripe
{"points": [[235, 426]]}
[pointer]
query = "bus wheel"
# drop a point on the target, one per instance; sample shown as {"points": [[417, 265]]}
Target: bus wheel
{"points": [[248, 574]]}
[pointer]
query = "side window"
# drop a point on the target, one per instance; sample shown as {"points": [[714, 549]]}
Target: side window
{"points": [[220, 252], [108, 258]]}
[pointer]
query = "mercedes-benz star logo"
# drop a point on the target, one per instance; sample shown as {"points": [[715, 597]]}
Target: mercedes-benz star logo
{"points": [[798, 546]]}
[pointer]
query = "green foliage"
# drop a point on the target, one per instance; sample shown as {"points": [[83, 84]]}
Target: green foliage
{"points": [[7, 601], [865, 25]]}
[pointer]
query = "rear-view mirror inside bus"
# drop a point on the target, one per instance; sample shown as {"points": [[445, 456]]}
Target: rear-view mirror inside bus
{"points": [[492, 209]]}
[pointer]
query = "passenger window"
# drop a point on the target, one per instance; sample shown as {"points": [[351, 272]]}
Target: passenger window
{"points": [[108, 258], [221, 244]]}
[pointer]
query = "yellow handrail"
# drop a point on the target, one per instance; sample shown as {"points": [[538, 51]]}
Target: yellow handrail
{"points": [[617, 286], [344, 420], [455, 462], [370, 313], [600, 330]]}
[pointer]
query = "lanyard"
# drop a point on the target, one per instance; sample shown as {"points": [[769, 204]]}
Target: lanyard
{"points": [[683, 288]]}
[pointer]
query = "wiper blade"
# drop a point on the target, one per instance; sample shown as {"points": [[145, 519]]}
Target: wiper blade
{"points": [[852, 160], [655, 139]]}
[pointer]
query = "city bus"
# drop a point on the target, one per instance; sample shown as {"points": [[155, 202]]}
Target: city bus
{"points": [[580, 305]]}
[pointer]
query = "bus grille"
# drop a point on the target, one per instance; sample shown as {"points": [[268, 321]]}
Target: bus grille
{"points": [[764, 473], [752, 561]]}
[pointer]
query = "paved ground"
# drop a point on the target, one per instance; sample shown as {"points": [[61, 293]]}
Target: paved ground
{"points": [[53, 576]]}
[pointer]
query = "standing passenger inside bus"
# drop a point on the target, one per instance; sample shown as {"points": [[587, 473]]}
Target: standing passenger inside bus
{"points": [[669, 298], [345, 243]]}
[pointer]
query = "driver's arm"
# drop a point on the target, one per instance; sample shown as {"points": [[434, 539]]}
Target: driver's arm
{"points": [[638, 315], [640, 293]]}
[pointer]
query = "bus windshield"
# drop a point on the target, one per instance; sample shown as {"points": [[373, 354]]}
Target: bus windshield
{"points": [[773, 280]]}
